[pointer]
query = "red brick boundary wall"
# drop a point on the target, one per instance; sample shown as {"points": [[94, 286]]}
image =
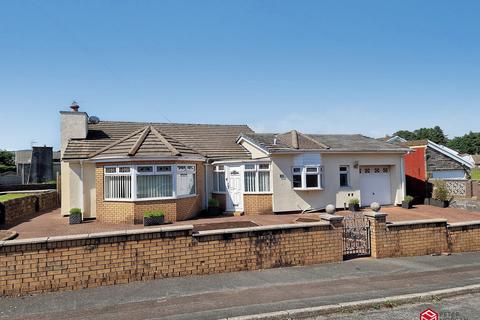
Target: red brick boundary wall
{"points": [[464, 237], [421, 237], [82, 261]]}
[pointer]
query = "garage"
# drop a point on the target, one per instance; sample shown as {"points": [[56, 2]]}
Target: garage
{"points": [[375, 185]]}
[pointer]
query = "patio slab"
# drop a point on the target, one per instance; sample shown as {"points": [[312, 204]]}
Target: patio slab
{"points": [[51, 223]]}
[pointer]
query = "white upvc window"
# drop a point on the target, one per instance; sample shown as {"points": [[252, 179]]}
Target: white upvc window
{"points": [[117, 182], [257, 177], [154, 181], [307, 177], [186, 180], [219, 179], [149, 181], [344, 176]]}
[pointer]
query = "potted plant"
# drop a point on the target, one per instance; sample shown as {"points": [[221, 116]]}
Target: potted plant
{"points": [[152, 218], [354, 205], [407, 202], [440, 195], [214, 207], [75, 216]]}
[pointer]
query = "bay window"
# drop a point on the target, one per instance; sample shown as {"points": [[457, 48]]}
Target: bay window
{"points": [[307, 177], [154, 182], [219, 179], [257, 177], [148, 182]]}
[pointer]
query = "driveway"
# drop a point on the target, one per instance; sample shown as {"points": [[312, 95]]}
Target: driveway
{"points": [[53, 224], [243, 293]]}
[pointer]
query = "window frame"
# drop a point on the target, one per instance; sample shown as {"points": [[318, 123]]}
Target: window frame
{"points": [[133, 180], [256, 168], [347, 172], [303, 177], [216, 177]]}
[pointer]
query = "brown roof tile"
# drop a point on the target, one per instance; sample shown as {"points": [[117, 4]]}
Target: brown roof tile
{"points": [[212, 141]]}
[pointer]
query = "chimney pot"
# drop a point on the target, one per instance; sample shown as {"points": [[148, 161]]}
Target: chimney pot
{"points": [[74, 106]]}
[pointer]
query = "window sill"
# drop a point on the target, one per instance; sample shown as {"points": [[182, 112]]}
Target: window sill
{"points": [[150, 199], [269, 192], [308, 189]]}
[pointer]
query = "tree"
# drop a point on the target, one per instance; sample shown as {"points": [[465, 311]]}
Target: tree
{"points": [[405, 134], [468, 143], [7, 158], [434, 134]]}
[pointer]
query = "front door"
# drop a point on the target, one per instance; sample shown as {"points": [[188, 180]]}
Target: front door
{"points": [[235, 189]]}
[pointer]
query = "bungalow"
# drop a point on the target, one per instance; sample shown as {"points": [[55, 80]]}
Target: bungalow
{"points": [[115, 171]]}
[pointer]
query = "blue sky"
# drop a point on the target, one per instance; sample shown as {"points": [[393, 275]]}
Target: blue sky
{"points": [[369, 67]]}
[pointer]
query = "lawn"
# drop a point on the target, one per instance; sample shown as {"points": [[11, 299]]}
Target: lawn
{"points": [[10, 196], [476, 174]]}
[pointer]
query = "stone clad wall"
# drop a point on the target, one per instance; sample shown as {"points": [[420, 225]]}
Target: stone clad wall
{"points": [[15, 210], [82, 261]]}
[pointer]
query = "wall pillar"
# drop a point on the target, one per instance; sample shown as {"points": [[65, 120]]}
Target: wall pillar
{"points": [[378, 229]]}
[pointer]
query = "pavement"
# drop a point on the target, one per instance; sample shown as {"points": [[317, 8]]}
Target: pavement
{"points": [[51, 223], [464, 307], [246, 293]]}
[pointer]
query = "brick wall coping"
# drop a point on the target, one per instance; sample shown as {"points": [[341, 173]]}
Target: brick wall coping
{"points": [[262, 228], [416, 222], [97, 235], [375, 215], [331, 217], [464, 224]]}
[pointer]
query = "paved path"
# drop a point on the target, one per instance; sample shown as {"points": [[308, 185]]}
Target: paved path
{"points": [[241, 293]]}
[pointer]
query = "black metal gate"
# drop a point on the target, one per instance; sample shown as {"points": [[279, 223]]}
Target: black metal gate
{"points": [[356, 236]]}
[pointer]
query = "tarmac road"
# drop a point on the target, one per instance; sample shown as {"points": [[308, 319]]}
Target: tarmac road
{"points": [[245, 293]]}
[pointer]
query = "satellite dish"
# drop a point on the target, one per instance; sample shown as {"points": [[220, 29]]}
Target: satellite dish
{"points": [[93, 120]]}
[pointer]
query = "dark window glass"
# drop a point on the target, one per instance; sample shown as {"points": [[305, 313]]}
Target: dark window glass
{"points": [[297, 181], [343, 180], [312, 181]]}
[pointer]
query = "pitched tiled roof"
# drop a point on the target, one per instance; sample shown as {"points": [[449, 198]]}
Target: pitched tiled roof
{"points": [[272, 142], [212, 141], [146, 142]]}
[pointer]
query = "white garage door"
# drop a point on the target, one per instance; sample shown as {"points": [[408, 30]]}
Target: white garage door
{"points": [[375, 185]]}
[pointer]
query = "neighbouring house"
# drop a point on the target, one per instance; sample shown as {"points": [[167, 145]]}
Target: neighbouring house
{"points": [[476, 160], [115, 171], [428, 161], [40, 164]]}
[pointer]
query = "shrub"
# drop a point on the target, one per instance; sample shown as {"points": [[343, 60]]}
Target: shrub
{"points": [[408, 199], [153, 214], [213, 203], [75, 212], [354, 201], [440, 191]]}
